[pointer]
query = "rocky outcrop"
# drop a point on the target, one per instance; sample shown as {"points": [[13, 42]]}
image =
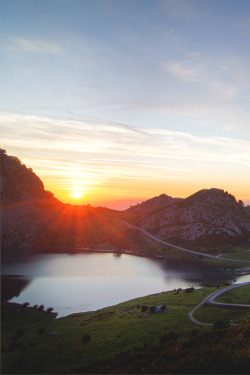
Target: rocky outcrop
{"points": [[207, 218]]}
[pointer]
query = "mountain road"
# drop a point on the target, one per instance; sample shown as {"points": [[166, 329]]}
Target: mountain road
{"points": [[175, 246], [210, 299]]}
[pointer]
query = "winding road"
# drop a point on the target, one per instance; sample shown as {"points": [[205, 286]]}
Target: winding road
{"points": [[211, 299], [175, 246]]}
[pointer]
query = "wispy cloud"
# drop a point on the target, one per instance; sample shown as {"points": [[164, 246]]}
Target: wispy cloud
{"points": [[191, 69], [99, 138], [66, 152], [225, 77], [35, 46]]}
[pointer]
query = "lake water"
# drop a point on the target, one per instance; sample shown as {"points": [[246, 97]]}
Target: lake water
{"points": [[83, 282]]}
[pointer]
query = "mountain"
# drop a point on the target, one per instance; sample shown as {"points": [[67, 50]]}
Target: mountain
{"points": [[19, 183], [210, 217], [151, 205], [25, 205], [33, 220]]}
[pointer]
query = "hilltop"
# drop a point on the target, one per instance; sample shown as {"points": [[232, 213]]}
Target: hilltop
{"points": [[208, 218]]}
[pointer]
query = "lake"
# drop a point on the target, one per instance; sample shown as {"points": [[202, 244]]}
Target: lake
{"points": [[90, 281]]}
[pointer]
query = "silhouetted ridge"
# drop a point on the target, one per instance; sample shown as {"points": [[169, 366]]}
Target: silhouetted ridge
{"points": [[19, 183], [212, 195], [152, 204], [33, 220]]}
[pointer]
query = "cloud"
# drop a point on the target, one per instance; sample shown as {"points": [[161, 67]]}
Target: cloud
{"points": [[35, 46], [224, 77], [118, 159], [117, 142], [191, 69]]}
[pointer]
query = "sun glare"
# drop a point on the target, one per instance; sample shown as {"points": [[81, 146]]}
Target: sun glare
{"points": [[77, 194]]}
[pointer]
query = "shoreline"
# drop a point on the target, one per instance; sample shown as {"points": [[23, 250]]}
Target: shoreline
{"points": [[220, 262]]}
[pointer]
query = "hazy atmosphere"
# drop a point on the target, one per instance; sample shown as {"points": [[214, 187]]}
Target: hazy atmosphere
{"points": [[114, 102]]}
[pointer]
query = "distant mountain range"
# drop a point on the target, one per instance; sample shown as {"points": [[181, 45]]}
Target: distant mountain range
{"points": [[33, 220]]}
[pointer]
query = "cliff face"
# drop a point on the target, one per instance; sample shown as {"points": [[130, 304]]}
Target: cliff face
{"points": [[208, 218]]}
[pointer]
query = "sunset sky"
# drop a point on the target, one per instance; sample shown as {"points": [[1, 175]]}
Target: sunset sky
{"points": [[112, 102]]}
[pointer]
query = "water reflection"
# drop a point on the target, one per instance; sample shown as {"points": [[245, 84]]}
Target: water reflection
{"points": [[73, 283], [12, 286], [201, 274]]}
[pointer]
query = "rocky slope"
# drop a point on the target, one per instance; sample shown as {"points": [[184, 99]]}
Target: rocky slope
{"points": [[152, 205], [210, 217]]}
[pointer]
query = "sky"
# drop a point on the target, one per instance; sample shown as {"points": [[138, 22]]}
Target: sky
{"points": [[113, 102]]}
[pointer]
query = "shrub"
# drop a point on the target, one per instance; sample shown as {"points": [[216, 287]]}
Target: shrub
{"points": [[41, 308], [19, 332], [171, 336], [85, 338], [163, 307], [144, 308], [189, 290], [41, 330], [50, 309], [220, 324], [152, 309]]}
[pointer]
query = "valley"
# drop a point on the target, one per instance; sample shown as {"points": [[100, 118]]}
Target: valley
{"points": [[175, 330]]}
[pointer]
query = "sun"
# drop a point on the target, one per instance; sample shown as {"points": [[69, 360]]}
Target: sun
{"points": [[77, 194]]}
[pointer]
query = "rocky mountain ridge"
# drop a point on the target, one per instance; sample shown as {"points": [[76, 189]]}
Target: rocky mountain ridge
{"points": [[33, 220], [210, 217]]}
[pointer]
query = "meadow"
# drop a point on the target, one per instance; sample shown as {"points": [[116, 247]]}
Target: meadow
{"points": [[34, 341]]}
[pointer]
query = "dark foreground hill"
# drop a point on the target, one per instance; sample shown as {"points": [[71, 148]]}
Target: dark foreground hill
{"points": [[225, 351], [33, 220]]}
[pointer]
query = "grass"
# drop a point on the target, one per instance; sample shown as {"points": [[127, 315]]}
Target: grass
{"points": [[240, 295], [238, 256], [48, 345], [210, 314]]}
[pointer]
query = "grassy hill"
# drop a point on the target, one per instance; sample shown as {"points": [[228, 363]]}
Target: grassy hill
{"points": [[129, 338]]}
